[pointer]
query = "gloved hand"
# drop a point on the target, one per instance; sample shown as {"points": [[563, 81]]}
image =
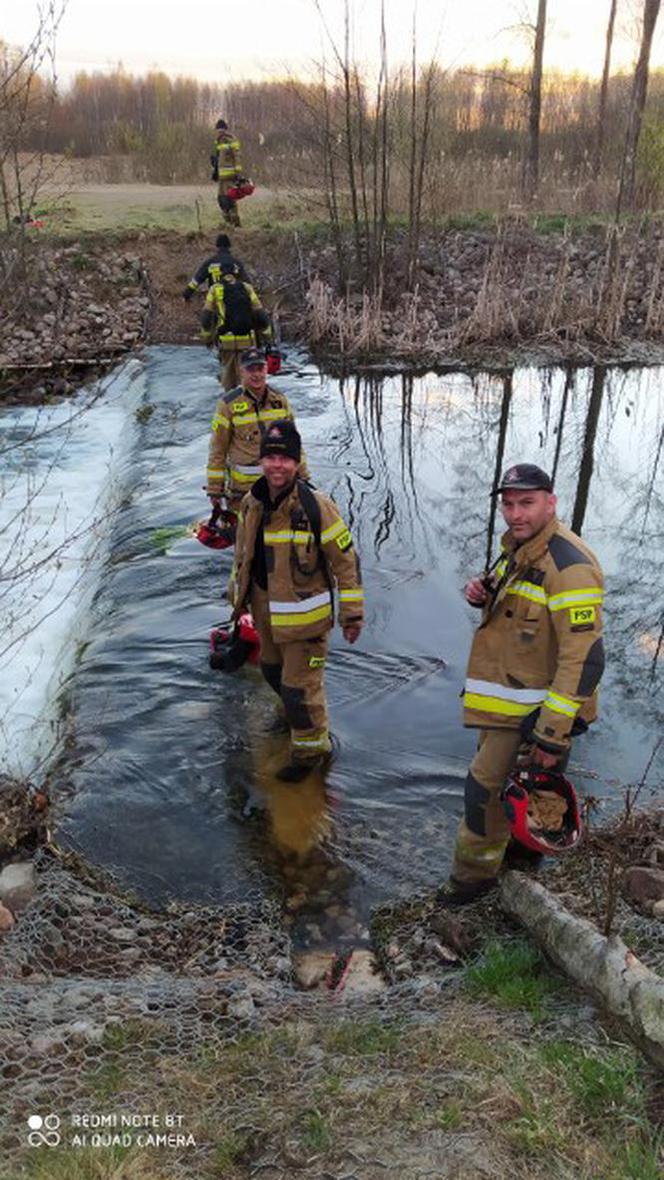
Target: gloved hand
{"points": [[187, 293]]}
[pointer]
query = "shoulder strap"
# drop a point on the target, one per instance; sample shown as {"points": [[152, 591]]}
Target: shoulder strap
{"points": [[311, 507], [232, 394]]}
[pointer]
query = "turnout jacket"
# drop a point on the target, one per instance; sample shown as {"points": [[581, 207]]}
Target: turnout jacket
{"points": [[237, 427], [538, 649], [213, 320], [300, 569], [225, 158], [211, 271]]}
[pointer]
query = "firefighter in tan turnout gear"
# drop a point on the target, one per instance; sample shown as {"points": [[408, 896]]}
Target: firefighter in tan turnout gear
{"points": [[226, 168], [535, 664], [292, 547], [240, 420], [234, 319]]}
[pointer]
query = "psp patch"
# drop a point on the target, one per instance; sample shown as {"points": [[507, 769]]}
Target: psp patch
{"points": [[344, 540], [316, 661], [238, 407], [582, 618]]}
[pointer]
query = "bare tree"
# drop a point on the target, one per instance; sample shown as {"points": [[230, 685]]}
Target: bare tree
{"points": [[604, 88], [27, 94], [531, 169], [636, 107]]}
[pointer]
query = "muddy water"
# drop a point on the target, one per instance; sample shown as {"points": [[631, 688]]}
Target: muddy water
{"points": [[169, 776]]}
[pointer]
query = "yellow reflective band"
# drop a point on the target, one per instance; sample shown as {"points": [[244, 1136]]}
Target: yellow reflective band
{"points": [[302, 617], [528, 590], [563, 705], [576, 598], [483, 854], [242, 477], [333, 531], [218, 421], [260, 416], [282, 538], [474, 700], [230, 342], [351, 595], [320, 743]]}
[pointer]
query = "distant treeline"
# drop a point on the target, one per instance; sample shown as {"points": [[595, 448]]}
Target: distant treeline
{"points": [[476, 142]]}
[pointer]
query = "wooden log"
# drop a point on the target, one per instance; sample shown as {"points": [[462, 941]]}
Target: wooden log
{"points": [[604, 967]]}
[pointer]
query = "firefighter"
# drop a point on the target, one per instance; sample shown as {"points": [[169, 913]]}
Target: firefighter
{"points": [[226, 168], [234, 319], [292, 546], [220, 263], [535, 664], [239, 422]]}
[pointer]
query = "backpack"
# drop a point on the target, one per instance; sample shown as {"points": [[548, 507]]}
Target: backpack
{"points": [[238, 312], [311, 508]]}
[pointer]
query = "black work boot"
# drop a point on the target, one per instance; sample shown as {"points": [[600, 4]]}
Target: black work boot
{"points": [[517, 856], [458, 893], [295, 772]]}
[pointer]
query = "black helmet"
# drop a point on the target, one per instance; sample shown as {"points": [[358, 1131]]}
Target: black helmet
{"points": [[221, 125]]}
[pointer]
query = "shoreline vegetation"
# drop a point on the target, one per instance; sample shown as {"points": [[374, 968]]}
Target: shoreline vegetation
{"points": [[491, 293]]}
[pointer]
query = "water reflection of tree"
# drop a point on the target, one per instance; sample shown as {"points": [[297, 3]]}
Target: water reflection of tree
{"points": [[588, 455]]}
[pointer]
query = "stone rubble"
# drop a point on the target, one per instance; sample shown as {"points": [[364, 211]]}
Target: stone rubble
{"points": [[80, 306]]}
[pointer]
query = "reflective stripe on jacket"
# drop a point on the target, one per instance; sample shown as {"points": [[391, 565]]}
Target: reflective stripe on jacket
{"points": [[237, 426], [213, 268], [213, 319], [300, 573], [227, 152], [539, 645]]}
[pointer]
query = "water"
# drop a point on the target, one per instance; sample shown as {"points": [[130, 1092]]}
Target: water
{"points": [[168, 777], [60, 479]]}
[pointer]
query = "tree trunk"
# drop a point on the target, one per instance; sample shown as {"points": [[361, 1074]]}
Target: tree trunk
{"points": [[605, 967], [636, 107], [601, 114], [531, 174]]}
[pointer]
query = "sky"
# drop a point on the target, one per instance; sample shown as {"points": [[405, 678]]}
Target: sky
{"points": [[225, 41]]}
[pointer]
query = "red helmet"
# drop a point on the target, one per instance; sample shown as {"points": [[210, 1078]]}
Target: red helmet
{"points": [[230, 648], [243, 187], [526, 825], [273, 357], [219, 531]]}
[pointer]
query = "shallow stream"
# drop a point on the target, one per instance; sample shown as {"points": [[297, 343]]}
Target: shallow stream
{"points": [[167, 772]]}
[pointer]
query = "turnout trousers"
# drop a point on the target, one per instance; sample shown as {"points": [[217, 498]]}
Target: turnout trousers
{"points": [[484, 832], [296, 673], [227, 204], [229, 371]]}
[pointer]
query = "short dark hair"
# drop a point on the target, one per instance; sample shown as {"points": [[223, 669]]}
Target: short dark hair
{"points": [[223, 242]]}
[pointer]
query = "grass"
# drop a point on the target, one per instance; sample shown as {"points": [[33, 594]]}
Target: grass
{"points": [[363, 1038], [450, 1116], [83, 1163], [515, 974], [315, 1132], [325, 1083], [230, 1150], [602, 1082]]}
